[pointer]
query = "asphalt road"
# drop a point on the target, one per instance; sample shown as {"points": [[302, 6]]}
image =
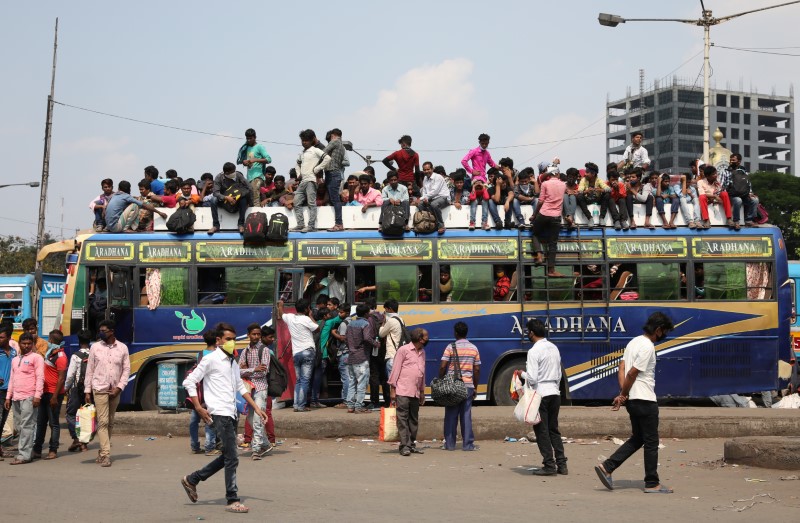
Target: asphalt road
{"points": [[355, 480]]}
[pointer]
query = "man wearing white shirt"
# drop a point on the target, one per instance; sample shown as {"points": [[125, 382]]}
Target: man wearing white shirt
{"points": [[635, 155], [637, 382], [301, 330], [435, 197], [543, 374], [219, 373]]}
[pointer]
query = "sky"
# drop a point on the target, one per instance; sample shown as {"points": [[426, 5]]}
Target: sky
{"points": [[534, 75]]}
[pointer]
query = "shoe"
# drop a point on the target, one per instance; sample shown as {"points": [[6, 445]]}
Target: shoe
{"points": [[37, 455], [485, 227], [317, 405], [106, 461], [415, 450], [508, 226], [605, 478], [729, 222], [473, 449], [196, 451], [304, 409], [625, 226], [308, 228], [241, 229], [98, 227], [217, 452], [340, 406], [261, 452], [749, 224], [213, 230], [243, 446], [617, 225], [369, 406], [336, 228], [562, 470], [521, 227], [51, 455], [441, 230], [736, 226], [75, 447], [498, 226], [269, 448], [84, 447], [405, 452], [471, 226], [545, 472], [299, 228]]}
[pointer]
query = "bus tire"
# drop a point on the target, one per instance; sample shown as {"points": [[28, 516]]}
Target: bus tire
{"points": [[148, 397], [501, 393]]}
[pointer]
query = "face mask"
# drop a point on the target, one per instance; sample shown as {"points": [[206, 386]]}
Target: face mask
{"points": [[103, 335], [229, 346], [425, 343]]}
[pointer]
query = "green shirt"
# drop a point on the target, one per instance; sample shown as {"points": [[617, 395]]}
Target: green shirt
{"points": [[257, 152], [325, 335]]}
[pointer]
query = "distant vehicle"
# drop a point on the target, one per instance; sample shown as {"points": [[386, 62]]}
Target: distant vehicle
{"points": [[17, 293], [794, 277]]}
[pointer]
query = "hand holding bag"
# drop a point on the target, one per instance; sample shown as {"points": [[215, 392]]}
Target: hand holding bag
{"points": [[450, 390], [527, 410], [388, 428]]}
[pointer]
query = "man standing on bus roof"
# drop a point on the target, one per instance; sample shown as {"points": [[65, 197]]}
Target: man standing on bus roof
{"points": [[469, 363], [635, 155], [543, 374], [7, 353], [407, 383], [31, 326], [221, 379], [254, 156], [637, 381], [301, 331], [107, 373]]}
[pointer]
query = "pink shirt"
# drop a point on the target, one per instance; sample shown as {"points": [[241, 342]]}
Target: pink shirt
{"points": [[408, 372], [552, 197], [479, 157], [708, 189], [373, 196], [27, 377], [109, 366]]}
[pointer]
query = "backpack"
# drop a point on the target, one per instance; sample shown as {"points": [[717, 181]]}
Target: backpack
{"points": [[762, 216], [394, 220], [424, 222], [82, 371], [188, 400], [181, 220], [277, 378], [255, 228], [278, 228], [739, 186], [231, 188], [405, 337]]}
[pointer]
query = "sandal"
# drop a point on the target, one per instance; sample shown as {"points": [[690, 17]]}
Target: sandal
{"points": [[20, 461], [605, 477], [662, 489], [191, 490], [51, 455], [237, 508], [75, 447]]}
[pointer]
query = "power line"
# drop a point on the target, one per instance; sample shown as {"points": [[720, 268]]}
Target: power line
{"points": [[754, 50]]}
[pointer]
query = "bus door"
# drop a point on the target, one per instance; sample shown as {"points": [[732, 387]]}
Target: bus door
{"points": [[120, 300], [288, 288]]}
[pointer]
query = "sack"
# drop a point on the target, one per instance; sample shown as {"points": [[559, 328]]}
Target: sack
{"points": [[739, 186], [86, 423], [181, 220], [424, 222], [762, 216], [241, 405], [450, 390], [527, 410], [277, 378], [394, 220], [84, 357], [388, 428], [255, 228], [278, 229]]}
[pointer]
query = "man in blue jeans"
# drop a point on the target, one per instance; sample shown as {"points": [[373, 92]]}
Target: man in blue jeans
{"points": [[221, 378], [469, 366], [301, 330], [333, 174], [361, 339]]}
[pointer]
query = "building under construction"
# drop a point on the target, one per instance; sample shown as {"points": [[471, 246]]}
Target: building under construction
{"points": [[758, 126]]}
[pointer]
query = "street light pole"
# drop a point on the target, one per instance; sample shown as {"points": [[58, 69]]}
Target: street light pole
{"points": [[706, 21], [29, 184]]}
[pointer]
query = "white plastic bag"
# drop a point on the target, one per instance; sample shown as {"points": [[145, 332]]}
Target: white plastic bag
{"points": [[527, 410]]}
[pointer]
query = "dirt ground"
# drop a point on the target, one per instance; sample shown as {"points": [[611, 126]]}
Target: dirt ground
{"points": [[357, 480]]}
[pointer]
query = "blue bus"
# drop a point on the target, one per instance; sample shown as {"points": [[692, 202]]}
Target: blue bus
{"points": [[794, 280], [18, 295], [727, 292]]}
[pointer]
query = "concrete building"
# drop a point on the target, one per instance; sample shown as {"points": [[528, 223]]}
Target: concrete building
{"points": [[758, 126]]}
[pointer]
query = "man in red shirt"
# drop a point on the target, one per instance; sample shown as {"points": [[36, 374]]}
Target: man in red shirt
{"points": [[407, 161], [170, 197], [55, 374]]}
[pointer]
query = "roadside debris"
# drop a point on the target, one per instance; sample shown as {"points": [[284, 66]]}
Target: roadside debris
{"points": [[755, 500]]}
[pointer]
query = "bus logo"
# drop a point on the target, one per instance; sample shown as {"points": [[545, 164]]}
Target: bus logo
{"points": [[192, 324]]}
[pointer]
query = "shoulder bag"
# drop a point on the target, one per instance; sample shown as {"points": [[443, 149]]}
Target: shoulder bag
{"points": [[450, 390]]}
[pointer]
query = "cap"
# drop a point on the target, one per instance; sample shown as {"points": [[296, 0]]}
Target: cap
{"points": [[543, 166]]}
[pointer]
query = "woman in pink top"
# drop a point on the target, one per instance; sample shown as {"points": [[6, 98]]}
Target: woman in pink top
{"points": [[547, 221]]}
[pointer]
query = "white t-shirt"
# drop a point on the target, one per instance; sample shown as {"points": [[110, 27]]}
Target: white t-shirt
{"points": [[301, 329], [640, 354]]}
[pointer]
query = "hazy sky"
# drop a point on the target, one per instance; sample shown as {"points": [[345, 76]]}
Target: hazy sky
{"points": [[526, 72]]}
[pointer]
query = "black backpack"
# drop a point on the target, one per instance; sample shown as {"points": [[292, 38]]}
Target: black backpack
{"points": [[82, 371], [394, 220], [181, 220], [278, 228], [255, 228], [277, 378], [739, 186]]}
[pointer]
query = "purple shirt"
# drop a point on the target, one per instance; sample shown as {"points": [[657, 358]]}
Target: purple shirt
{"points": [[479, 157], [408, 372]]}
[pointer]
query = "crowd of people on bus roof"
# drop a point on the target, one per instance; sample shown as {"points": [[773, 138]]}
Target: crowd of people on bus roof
{"points": [[498, 188]]}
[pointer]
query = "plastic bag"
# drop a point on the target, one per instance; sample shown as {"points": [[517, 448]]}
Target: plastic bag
{"points": [[527, 410], [516, 385], [86, 423], [388, 428]]}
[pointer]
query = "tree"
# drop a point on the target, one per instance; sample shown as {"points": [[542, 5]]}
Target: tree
{"points": [[779, 193], [18, 256]]}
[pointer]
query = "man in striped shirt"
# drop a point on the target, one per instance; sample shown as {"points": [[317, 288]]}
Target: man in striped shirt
{"points": [[254, 364], [469, 363]]}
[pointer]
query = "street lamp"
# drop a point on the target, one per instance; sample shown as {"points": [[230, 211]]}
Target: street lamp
{"points": [[349, 146], [29, 184], [706, 20]]}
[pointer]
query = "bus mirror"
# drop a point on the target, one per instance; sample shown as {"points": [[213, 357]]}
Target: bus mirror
{"points": [[38, 278]]}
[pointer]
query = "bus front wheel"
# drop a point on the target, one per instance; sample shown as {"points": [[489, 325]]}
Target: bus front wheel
{"points": [[501, 393], [148, 397]]}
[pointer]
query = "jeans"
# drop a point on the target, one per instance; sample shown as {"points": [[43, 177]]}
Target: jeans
{"points": [[389, 366], [619, 206], [585, 199], [194, 433], [259, 433], [570, 204], [358, 376], [644, 425], [25, 421], [255, 191], [74, 402], [378, 379], [690, 207], [545, 230], [225, 428], [316, 383], [303, 368], [48, 417], [333, 181], [106, 408], [494, 211], [344, 375], [548, 437], [241, 206], [473, 211], [647, 201], [674, 202], [750, 205], [306, 194], [407, 421], [461, 413], [435, 205], [517, 207], [99, 219]]}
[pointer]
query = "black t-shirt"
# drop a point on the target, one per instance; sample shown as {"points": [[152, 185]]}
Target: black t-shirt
{"points": [[503, 194]]}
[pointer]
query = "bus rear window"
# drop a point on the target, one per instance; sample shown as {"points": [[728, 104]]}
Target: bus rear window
{"points": [[235, 285]]}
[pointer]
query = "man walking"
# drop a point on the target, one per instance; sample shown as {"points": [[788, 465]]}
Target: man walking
{"points": [[25, 387], [107, 375], [637, 382], [543, 374], [466, 356], [301, 331], [221, 378], [408, 389], [254, 364]]}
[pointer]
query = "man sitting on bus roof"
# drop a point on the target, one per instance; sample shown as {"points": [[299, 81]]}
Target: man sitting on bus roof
{"points": [[231, 192], [122, 211]]}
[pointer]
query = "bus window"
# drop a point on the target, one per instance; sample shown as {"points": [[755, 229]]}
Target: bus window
{"points": [[163, 286], [660, 281], [591, 281], [235, 285], [737, 280], [469, 283], [404, 283], [540, 288]]}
